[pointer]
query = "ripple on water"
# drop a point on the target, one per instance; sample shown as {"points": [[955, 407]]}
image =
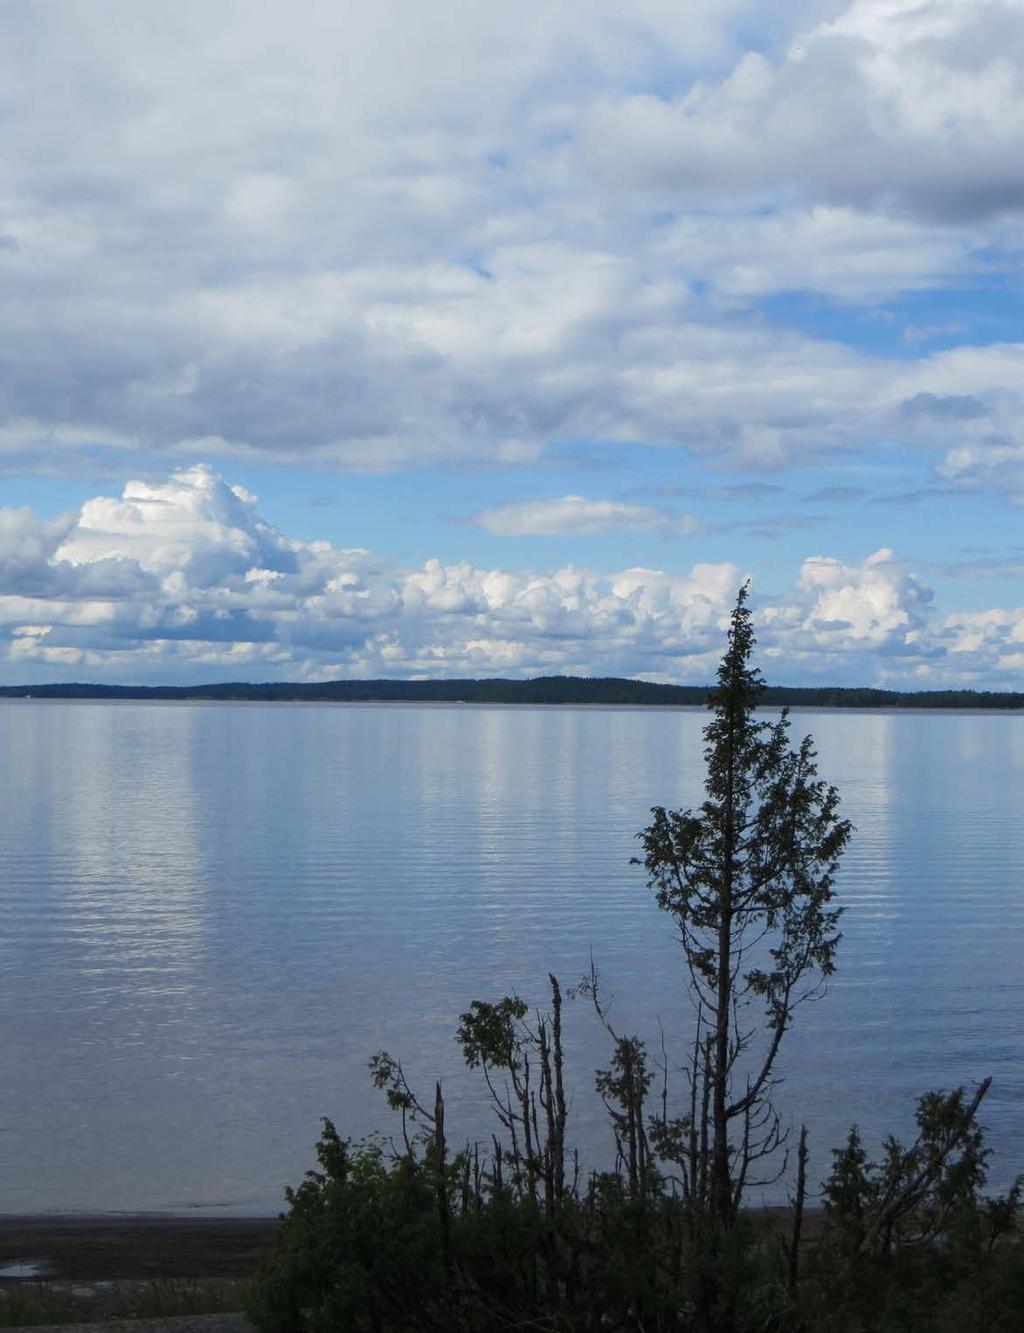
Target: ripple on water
{"points": [[213, 915]]}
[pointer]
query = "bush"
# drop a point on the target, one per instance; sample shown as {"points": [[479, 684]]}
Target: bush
{"points": [[391, 1238], [410, 1237]]}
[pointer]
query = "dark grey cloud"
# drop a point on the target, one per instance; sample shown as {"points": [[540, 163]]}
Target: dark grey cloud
{"points": [[916, 496], [741, 491], [776, 525], [983, 567], [838, 494], [988, 463], [945, 407]]}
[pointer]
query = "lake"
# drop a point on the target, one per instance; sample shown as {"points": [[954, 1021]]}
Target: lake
{"points": [[213, 914]]}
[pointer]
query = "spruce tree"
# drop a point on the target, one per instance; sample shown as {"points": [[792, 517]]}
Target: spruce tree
{"points": [[748, 878]]}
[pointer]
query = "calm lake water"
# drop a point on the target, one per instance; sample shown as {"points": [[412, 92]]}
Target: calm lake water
{"points": [[213, 915]]}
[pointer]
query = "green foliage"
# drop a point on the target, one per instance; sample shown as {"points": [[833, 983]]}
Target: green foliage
{"points": [[393, 1237], [29, 1304], [930, 1191], [488, 1034], [624, 1087], [910, 1238], [748, 879], [554, 690], [410, 1239], [360, 1247]]}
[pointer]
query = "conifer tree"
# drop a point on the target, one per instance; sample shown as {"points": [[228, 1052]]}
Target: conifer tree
{"points": [[749, 879]]}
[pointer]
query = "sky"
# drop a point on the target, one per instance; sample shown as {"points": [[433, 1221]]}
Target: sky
{"points": [[478, 339]]}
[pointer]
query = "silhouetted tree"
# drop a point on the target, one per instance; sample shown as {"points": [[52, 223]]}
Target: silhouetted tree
{"points": [[748, 877], [389, 1236]]}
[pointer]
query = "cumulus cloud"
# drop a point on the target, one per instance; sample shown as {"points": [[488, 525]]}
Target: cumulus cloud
{"points": [[26, 543], [836, 250], [194, 526], [985, 634], [184, 580], [185, 576], [894, 103], [575, 515], [991, 464], [876, 603], [384, 239]]}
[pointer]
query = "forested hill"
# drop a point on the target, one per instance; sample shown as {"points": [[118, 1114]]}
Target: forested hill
{"points": [[543, 690]]}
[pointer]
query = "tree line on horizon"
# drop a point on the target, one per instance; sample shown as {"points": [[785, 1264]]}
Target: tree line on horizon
{"points": [[606, 690]]}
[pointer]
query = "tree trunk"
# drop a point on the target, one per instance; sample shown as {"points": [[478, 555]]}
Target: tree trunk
{"points": [[793, 1256], [721, 1185]]}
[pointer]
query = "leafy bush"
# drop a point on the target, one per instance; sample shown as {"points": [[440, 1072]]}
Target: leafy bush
{"points": [[910, 1241], [408, 1236]]}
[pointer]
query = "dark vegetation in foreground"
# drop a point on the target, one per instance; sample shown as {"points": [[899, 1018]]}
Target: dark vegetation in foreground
{"points": [[418, 1232], [48, 1303], [109, 1268], [544, 690], [379, 1241]]}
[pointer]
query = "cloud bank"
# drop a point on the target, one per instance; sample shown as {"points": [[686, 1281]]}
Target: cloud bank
{"points": [[183, 580], [382, 238]]}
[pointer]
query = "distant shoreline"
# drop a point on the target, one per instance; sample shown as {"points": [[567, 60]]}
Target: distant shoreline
{"points": [[554, 691], [955, 710]]}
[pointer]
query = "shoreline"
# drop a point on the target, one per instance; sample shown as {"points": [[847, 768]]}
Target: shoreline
{"points": [[132, 1247], [476, 705], [83, 1247], [558, 691]]}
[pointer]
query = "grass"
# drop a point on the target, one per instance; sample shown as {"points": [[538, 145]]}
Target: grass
{"points": [[24, 1304]]}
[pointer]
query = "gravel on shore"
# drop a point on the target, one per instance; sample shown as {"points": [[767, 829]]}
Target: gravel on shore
{"points": [[112, 1248], [198, 1323]]}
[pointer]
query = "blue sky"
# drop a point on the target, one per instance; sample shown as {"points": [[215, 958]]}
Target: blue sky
{"points": [[499, 340]]}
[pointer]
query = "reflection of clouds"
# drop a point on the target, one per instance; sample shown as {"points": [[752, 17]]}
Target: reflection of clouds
{"points": [[546, 803], [867, 777], [136, 886], [105, 793], [926, 992], [215, 913], [102, 1008], [534, 812], [483, 773]]}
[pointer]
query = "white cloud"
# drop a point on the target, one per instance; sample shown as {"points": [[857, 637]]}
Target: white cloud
{"points": [[575, 515], [875, 604], [184, 580], [995, 464], [916, 105], [996, 633], [382, 238], [185, 575], [832, 249], [26, 543], [193, 524]]}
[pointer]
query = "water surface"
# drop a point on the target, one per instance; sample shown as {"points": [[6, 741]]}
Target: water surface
{"points": [[212, 914]]}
